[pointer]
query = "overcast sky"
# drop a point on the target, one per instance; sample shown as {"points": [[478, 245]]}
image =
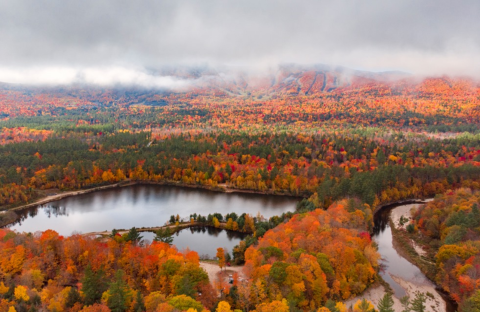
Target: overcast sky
{"points": [[105, 41]]}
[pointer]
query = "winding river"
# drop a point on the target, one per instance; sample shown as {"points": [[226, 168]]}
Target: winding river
{"points": [[404, 277], [151, 205]]}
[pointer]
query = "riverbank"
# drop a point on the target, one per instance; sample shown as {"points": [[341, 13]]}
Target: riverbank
{"points": [[434, 301], [408, 249], [156, 218], [399, 202], [414, 253]]}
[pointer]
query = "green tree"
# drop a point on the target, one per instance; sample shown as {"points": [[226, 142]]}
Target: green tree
{"points": [[133, 236], [364, 306], [164, 235], [93, 285], [331, 305], [114, 233], [418, 303], [278, 272], [139, 305], [183, 303], [405, 301], [386, 303], [73, 297], [472, 304], [118, 291], [381, 157], [186, 287]]}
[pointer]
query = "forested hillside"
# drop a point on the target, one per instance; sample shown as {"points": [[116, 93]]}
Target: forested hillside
{"points": [[345, 142], [452, 223]]}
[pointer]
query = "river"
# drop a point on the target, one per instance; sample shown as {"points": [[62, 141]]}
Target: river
{"points": [[403, 277], [152, 205]]}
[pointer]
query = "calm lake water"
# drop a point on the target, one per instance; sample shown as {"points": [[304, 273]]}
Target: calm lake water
{"points": [[142, 206], [204, 240]]}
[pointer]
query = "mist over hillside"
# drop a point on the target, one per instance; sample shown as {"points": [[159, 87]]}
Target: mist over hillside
{"points": [[229, 81]]}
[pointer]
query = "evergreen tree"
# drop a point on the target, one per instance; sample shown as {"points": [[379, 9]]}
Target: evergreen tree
{"points": [[9, 294], [381, 157], [93, 285], [365, 306], [330, 304], [405, 301], [118, 293], [386, 303], [418, 303], [139, 305], [114, 233], [73, 297], [474, 220], [133, 236], [164, 236]]}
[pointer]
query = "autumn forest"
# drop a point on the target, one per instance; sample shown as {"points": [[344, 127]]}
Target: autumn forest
{"points": [[344, 144]]}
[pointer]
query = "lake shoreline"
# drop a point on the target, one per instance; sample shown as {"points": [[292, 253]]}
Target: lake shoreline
{"points": [[126, 183], [176, 228], [217, 189]]}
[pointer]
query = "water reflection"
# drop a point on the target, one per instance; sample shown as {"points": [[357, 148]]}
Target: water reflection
{"points": [[392, 263], [204, 240], [142, 206]]}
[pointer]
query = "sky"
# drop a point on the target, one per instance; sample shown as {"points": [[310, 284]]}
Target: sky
{"points": [[124, 42]]}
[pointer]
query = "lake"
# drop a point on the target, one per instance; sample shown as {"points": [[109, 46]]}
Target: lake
{"points": [[144, 206], [204, 240]]}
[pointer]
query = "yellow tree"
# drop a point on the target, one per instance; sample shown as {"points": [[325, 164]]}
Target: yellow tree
{"points": [[223, 306], [363, 306], [274, 306], [229, 224], [3, 288], [221, 257], [341, 307], [21, 293]]}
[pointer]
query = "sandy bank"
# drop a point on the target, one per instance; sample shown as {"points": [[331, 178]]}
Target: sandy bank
{"points": [[213, 271], [434, 302], [406, 212]]}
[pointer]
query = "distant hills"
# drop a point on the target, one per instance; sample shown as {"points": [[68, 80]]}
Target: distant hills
{"points": [[285, 80]]}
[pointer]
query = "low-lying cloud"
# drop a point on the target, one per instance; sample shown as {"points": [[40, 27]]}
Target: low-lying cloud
{"points": [[115, 41], [99, 76]]}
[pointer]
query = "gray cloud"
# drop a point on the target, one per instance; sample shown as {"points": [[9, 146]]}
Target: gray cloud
{"points": [[60, 39]]}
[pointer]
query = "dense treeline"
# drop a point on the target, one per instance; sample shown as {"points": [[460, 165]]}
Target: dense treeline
{"points": [[310, 134], [299, 96], [313, 257], [298, 266], [47, 272], [452, 223], [377, 169]]}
